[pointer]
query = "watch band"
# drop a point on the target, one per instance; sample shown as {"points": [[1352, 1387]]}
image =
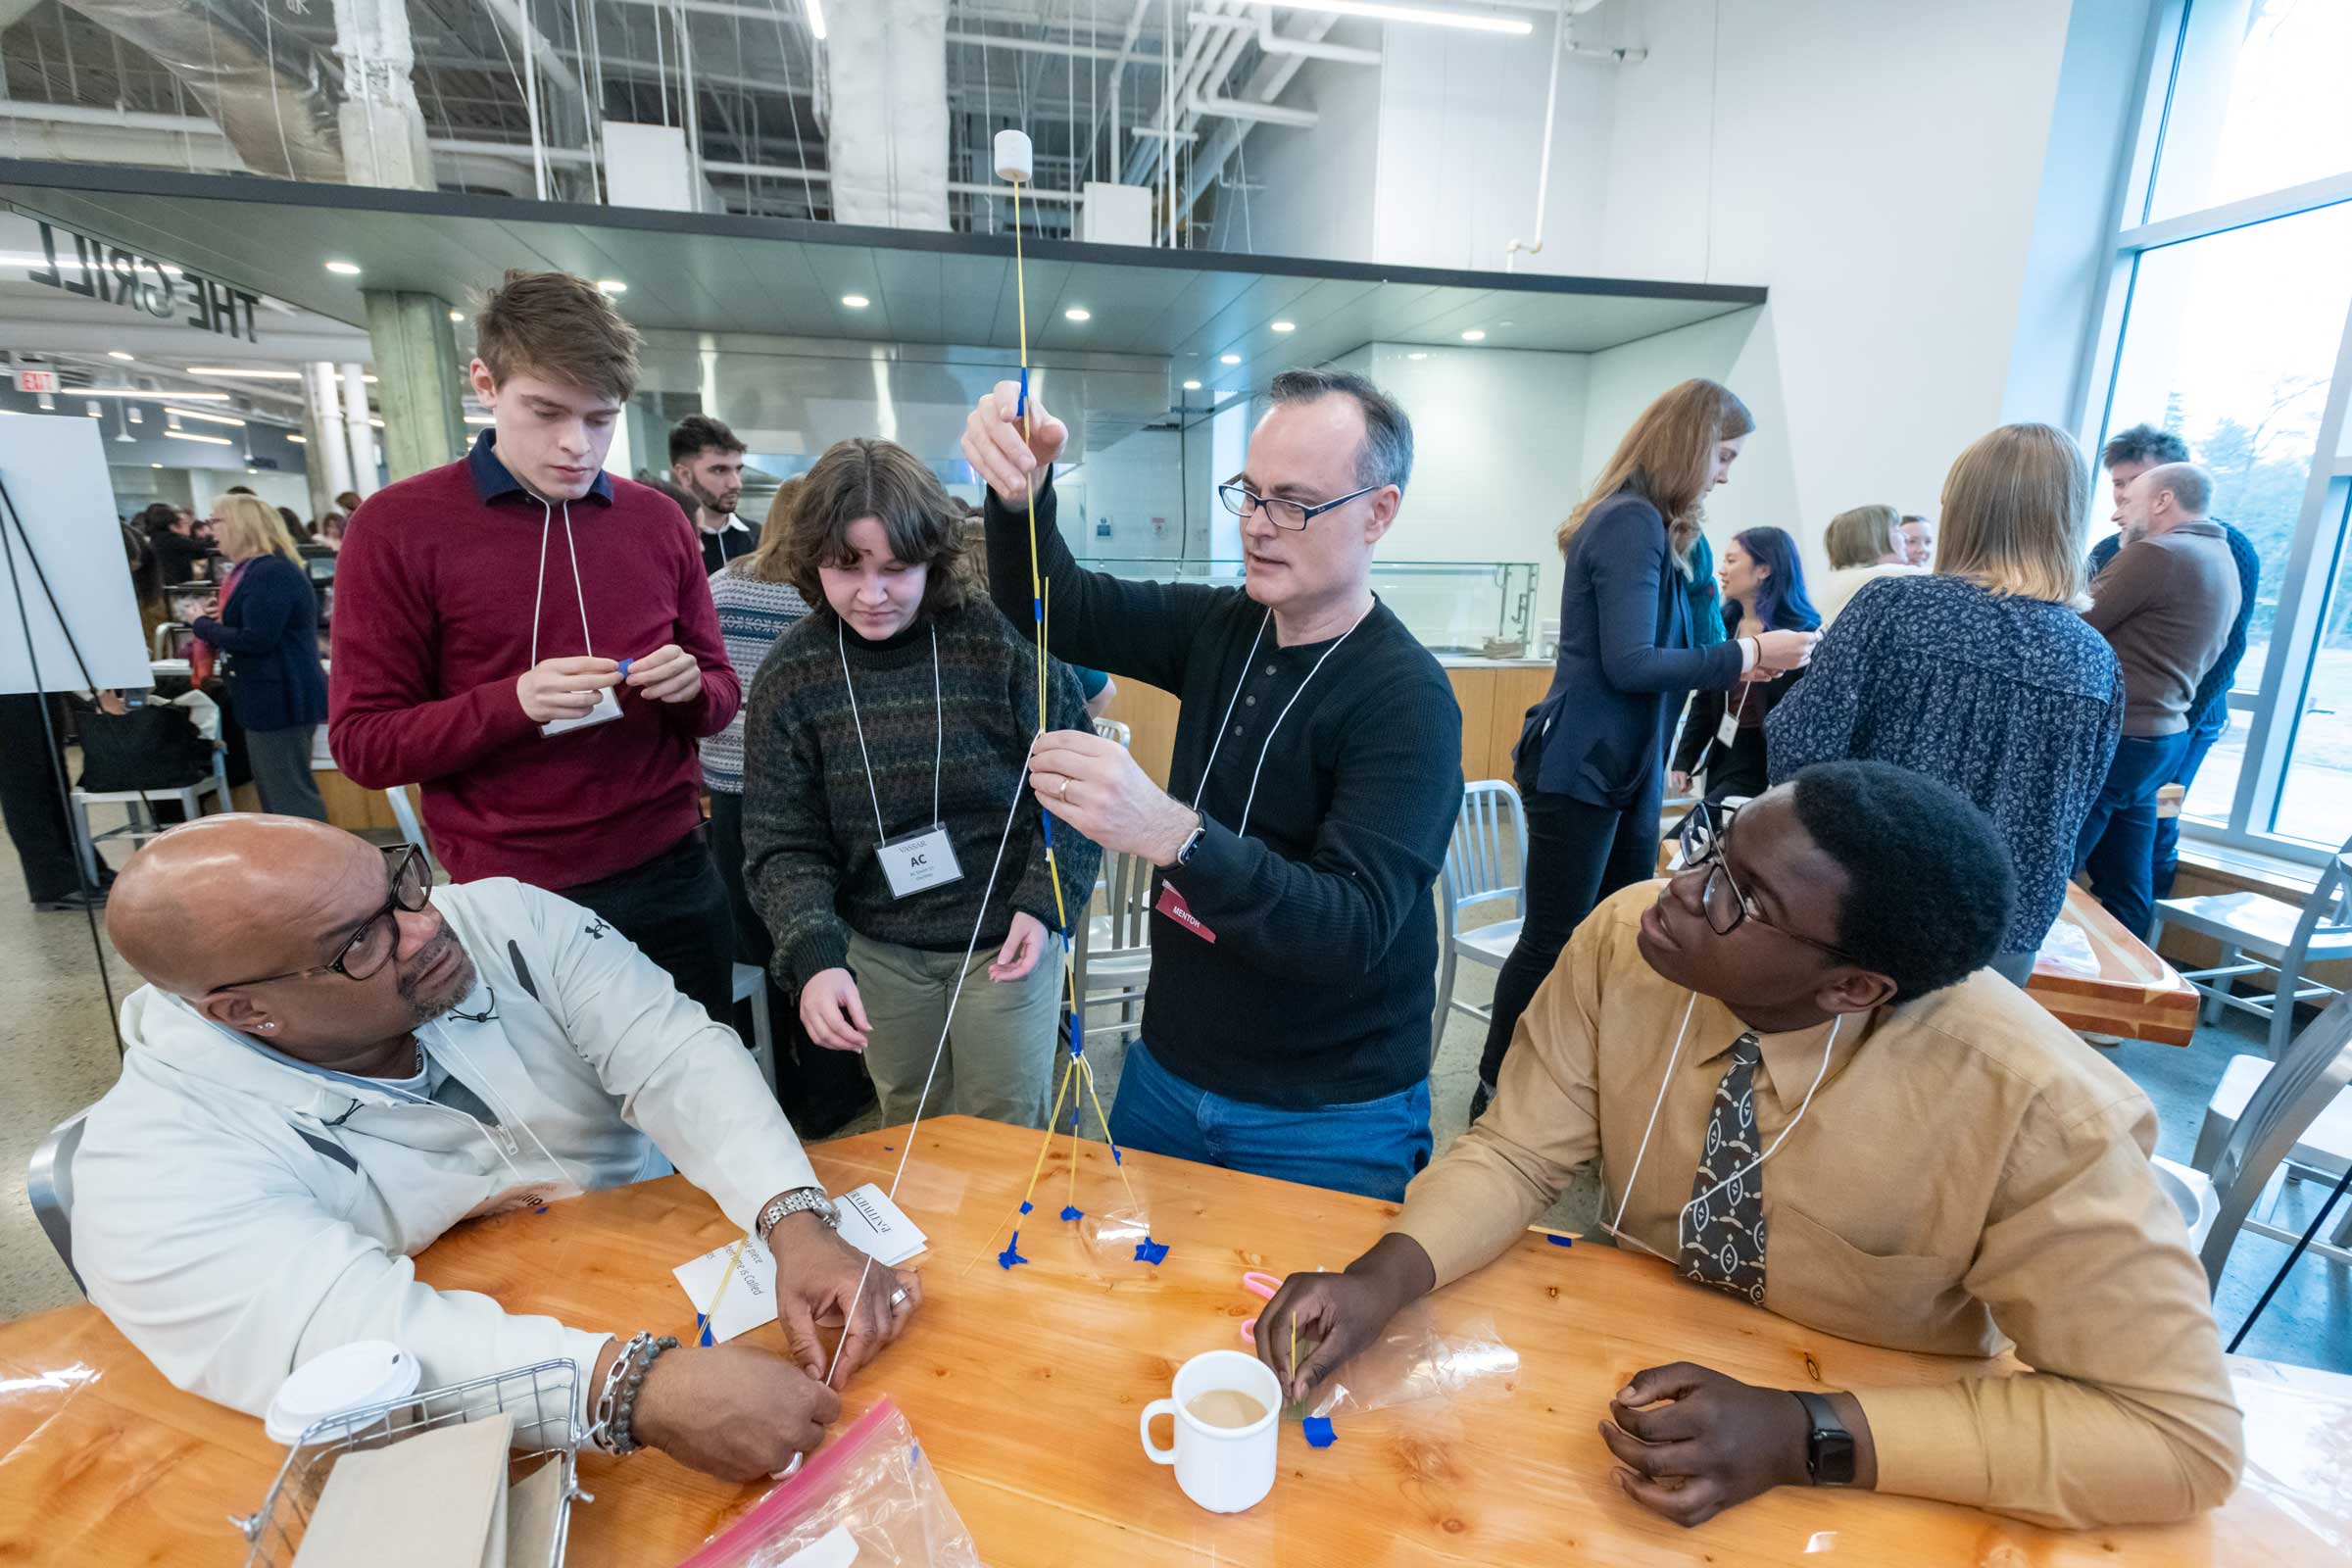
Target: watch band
{"points": [[1829, 1446], [1191, 842], [799, 1201]]}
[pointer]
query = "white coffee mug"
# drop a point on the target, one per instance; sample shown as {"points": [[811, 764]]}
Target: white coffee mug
{"points": [[1223, 1469]]}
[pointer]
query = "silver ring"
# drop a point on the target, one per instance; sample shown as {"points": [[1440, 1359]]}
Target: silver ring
{"points": [[898, 1298]]}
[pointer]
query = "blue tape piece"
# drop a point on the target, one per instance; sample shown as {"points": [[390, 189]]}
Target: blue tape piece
{"points": [[1013, 1251], [1318, 1432], [1047, 818], [1073, 1212], [1148, 1250], [702, 1332], [624, 666], [541, 1209], [1559, 1240], [1037, 610], [1025, 1207], [1077, 1049], [1021, 406]]}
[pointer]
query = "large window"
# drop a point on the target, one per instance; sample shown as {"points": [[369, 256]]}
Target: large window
{"points": [[2234, 267]]}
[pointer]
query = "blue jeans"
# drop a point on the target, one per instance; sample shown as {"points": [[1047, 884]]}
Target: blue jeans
{"points": [[2210, 726], [2118, 841], [1373, 1147]]}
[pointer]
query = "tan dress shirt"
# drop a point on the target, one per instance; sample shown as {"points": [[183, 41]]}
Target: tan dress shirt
{"points": [[1969, 1175]]}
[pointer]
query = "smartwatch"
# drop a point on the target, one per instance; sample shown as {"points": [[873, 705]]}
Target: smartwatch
{"points": [[1191, 842], [1829, 1446]]}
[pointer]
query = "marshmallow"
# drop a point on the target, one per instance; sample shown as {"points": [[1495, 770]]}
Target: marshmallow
{"points": [[1012, 157]]}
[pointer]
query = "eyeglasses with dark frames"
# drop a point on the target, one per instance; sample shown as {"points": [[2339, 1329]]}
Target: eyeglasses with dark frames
{"points": [[1726, 904], [1281, 511], [372, 944]]}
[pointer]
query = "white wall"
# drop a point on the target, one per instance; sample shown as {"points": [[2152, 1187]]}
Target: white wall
{"points": [[1136, 485], [1317, 183]]}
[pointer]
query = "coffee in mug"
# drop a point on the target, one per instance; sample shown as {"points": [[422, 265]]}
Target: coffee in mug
{"points": [[1223, 1411]]}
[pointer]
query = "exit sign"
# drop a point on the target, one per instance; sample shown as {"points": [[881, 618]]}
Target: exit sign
{"points": [[36, 380]]}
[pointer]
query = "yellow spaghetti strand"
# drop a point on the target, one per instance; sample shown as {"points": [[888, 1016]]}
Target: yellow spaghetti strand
{"points": [[1117, 1165], [1035, 1171]]}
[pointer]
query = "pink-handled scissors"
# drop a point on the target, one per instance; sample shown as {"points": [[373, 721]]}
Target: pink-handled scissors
{"points": [[1263, 1287]]}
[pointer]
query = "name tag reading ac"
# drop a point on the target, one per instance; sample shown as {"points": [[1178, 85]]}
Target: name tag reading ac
{"points": [[916, 862], [607, 709]]}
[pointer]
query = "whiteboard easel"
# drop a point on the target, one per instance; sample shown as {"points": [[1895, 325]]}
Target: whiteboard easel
{"points": [[55, 472]]}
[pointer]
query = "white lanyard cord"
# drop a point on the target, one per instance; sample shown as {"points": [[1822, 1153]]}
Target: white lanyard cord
{"points": [[547, 518], [1707, 751], [939, 745], [1242, 826]]}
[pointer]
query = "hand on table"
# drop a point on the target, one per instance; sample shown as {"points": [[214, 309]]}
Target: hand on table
{"points": [[997, 450], [734, 1411], [1023, 946], [1095, 785], [1337, 1315], [1704, 1443], [667, 674], [833, 1013], [563, 688], [817, 1273]]}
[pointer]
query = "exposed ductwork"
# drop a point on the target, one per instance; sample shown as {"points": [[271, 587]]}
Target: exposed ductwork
{"points": [[887, 87], [274, 105]]}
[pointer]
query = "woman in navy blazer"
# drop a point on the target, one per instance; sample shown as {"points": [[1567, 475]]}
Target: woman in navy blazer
{"points": [[269, 627], [1590, 762]]}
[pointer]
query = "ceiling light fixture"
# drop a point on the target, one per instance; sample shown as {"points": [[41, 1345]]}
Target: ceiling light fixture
{"points": [[1286, 326], [1077, 313], [457, 316], [208, 440], [1228, 358], [209, 418], [150, 397], [1418, 354], [344, 269], [1191, 386], [1465, 19], [1474, 335], [610, 285], [244, 372], [817, 19], [298, 440], [855, 302], [117, 353]]}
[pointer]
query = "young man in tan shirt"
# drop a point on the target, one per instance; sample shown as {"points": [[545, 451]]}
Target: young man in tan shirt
{"points": [[1945, 1169]]}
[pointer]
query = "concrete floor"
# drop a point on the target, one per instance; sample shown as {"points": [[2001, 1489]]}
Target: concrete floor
{"points": [[57, 1054]]}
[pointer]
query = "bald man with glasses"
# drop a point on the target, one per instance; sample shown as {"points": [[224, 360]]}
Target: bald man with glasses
{"points": [[333, 1062]]}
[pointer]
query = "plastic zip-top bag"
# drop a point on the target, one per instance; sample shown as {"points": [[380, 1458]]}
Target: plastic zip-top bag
{"points": [[870, 1498]]}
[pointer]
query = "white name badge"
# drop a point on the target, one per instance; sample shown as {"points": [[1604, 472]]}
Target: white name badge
{"points": [[1729, 730], [916, 862], [607, 709]]}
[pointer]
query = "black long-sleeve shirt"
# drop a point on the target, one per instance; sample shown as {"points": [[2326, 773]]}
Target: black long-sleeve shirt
{"points": [[1319, 986]]}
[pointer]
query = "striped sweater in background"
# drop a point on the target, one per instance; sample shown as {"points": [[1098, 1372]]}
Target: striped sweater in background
{"points": [[751, 616]]}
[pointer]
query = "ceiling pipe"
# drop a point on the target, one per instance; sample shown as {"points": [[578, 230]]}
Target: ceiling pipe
{"points": [[1274, 43], [1256, 114]]}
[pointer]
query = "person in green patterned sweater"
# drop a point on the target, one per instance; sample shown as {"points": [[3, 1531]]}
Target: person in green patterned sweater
{"points": [[887, 741]]}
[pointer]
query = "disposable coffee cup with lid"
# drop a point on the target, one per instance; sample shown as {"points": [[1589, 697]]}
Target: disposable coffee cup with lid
{"points": [[352, 1377]]}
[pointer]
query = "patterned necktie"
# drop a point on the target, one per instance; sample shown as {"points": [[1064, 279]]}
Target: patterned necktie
{"points": [[1722, 1233]]}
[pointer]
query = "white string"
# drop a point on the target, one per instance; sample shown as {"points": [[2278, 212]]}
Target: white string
{"points": [[546, 517], [939, 745], [1249, 660], [1020, 790]]}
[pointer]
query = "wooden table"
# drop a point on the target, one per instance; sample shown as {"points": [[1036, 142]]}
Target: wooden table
{"points": [[1024, 1388], [2093, 974]]}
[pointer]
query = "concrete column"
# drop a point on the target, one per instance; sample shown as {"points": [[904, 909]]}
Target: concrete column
{"points": [[327, 453], [362, 434], [418, 380], [382, 128], [886, 74]]}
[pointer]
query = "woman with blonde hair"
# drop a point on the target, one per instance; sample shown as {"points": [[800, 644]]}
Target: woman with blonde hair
{"points": [[1591, 764], [1982, 672], [1864, 544], [267, 621]]}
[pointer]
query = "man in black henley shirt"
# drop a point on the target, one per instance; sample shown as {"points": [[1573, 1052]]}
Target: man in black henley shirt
{"points": [[1315, 782]]}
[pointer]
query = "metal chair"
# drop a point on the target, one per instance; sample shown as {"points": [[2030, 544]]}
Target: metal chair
{"points": [[138, 825], [1479, 869], [1110, 729], [751, 985], [49, 1185], [1112, 960], [2291, 1112], [2260, 934], [403, 811]]}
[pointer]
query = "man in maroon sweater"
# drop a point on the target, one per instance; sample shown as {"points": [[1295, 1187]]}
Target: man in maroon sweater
{"points": [[533, 641]]}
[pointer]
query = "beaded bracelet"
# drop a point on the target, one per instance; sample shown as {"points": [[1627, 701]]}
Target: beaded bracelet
{"points": [[617, 1404]]}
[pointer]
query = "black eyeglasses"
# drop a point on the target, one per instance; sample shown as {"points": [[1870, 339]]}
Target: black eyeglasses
{"points": [[1281, 511], [372, 944], [1725, 904]]}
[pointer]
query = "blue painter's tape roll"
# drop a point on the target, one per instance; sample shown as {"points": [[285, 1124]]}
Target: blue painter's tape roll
{"points": [[1318, 1432]]}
